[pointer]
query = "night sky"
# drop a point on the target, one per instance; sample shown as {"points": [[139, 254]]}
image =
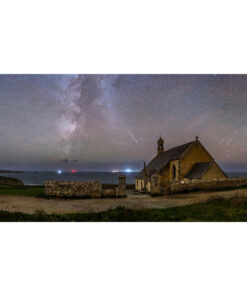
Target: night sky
{"points": [[112, 121]]}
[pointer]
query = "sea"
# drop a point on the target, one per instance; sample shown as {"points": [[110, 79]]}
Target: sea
{"points": [[39, 178]]}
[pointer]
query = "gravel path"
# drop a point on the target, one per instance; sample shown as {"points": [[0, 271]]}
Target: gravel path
{"points": [[27, 204]]}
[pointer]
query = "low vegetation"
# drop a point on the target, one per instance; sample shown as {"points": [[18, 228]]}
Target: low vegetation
{"points": [[36, 191], [10, 181], [214, 190], [220, 210]]}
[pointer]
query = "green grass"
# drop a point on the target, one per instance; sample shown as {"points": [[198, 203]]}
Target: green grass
{"points": [[37, 191], [234, 209], [212, 190]]}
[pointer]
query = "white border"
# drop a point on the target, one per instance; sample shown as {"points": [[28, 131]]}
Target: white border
{"points": [[130, 36], [123, 259]]}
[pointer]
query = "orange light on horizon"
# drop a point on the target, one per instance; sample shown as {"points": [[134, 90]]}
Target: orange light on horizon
{"points": [[73, 171]]}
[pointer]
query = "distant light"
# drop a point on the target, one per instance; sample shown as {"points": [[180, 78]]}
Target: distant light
{"points": [[128, 170], [73, 171], [115, 171], [59, 172]]}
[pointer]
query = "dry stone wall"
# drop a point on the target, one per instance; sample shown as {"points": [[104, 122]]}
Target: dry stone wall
{"points": [[84, 188], [206, 184], [155, 185], [72, 188], [109, 192]]}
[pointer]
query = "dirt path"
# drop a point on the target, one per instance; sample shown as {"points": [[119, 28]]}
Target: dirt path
{"points": [[27, 204]]}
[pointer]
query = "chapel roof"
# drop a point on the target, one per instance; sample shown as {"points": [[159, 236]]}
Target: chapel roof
{"points": [[198, 170], [163, 158]]}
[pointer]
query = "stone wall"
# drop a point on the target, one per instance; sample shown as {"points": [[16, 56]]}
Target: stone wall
{"points": [[191, 185], [155, 185], [109, 192], [84, 189], [73, 188], [120, 190]]}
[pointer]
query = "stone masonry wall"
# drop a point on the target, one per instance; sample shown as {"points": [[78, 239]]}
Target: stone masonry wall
{"points": [[73, 188], [85, 188], [206, 184]]}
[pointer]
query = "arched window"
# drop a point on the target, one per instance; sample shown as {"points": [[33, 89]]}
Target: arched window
{"points": [[174, 172]]}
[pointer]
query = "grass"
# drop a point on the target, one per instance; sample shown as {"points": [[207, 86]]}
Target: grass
{"points": [[212, 190], [37, 191], [220, 210]]}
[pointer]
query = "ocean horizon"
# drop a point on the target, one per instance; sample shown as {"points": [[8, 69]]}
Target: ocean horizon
{"points": [[38, 178]]}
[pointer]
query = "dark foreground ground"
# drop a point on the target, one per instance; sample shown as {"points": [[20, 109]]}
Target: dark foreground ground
{"points": [[215, 210]]}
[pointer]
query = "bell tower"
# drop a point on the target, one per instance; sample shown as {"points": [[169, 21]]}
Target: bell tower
{"points": [[160, 148]]}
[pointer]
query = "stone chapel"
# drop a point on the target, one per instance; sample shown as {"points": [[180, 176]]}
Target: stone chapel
{"points": [[190, 161]]}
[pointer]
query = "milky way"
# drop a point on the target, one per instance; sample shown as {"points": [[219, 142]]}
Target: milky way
{"points": [[50, 121]]}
